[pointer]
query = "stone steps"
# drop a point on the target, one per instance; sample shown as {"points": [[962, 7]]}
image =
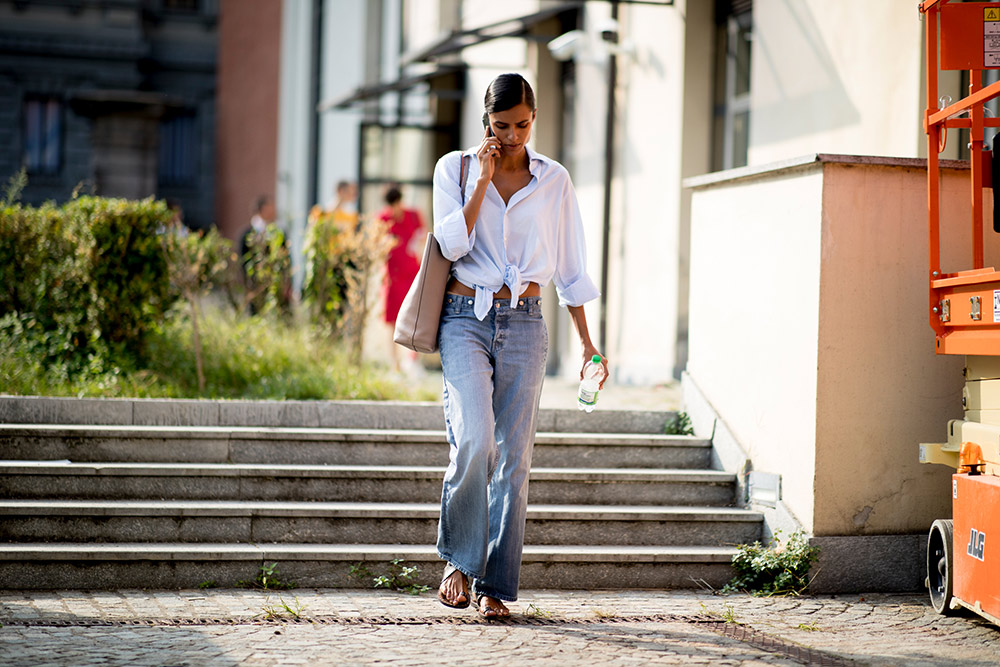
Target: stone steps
{"points": [[315, 446], [352, 483], [177, 565], [167, 494], [349, 523]]}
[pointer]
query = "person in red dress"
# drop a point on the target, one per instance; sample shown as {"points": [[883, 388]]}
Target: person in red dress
{"points": [[402, 264]]}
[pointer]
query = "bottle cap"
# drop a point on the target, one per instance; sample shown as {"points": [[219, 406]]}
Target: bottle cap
{"points": [[596, 358]]}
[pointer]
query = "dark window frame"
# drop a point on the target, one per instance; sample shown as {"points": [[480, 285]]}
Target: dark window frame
{"points": [[179, 166], [732, 106], [34, 160]]}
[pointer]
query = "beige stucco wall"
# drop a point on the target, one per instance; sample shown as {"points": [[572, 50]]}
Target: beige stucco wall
{"points": [[809, 335], [837, 77], [755, 267], [881, 388]]}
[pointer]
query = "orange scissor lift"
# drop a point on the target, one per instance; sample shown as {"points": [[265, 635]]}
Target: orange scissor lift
{"points": [[963, 561]]}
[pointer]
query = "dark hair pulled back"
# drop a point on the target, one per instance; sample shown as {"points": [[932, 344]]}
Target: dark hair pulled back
{"points": [[506, 92]]}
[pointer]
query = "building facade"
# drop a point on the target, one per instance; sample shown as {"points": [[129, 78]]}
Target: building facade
{"points": [[114, 98], [639, 99]]}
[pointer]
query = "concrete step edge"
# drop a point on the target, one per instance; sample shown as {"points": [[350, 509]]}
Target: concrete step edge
{"points": [[346, 552], [244, 470], [368, 414], [349, 510], [331, 434]]}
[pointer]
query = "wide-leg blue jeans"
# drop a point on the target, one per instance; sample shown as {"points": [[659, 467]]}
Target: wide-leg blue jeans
{"points": [[493, 372]]}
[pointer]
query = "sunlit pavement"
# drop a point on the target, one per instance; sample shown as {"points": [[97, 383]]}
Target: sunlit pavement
{"points": [[307, 626]]}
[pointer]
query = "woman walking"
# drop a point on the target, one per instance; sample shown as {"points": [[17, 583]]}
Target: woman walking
{"points": [[404, 226], [516, 227]]}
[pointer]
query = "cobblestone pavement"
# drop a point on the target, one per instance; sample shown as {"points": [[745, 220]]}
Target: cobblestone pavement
{"points": [[311, 627]]}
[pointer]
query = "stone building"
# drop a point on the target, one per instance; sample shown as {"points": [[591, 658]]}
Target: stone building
{"points": [[115, 98]]}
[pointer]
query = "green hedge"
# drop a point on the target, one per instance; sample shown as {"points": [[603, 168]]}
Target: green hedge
{"points": [[85, 278]]}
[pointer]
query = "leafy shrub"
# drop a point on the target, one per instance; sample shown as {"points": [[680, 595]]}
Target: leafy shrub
{"points": [[89, 296], [328, 262], [267, 268], [196, 262], [45, 281], [128, 267], [85, 278], [777, 569], [340, 259]]}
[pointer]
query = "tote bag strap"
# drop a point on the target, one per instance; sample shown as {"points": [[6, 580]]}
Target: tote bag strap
{"points": [[464, 177]]}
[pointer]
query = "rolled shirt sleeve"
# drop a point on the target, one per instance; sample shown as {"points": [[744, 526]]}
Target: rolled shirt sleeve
{"points": [[573, 286], [449, 219]]}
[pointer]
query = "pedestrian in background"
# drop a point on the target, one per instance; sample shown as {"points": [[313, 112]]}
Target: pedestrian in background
{"points": [[404, 225], [519, 228]]}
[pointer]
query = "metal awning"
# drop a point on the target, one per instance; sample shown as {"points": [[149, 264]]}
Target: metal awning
{"points": [[452, 42], [403, 83], [457, 40]]}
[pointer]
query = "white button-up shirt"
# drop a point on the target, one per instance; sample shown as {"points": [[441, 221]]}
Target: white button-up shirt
{"points": [[536, 237]]}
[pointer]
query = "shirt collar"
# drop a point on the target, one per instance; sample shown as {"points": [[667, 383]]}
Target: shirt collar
{"points": [[533, 158]]}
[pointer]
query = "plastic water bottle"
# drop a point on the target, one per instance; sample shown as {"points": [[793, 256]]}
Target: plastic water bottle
{"points": [[593, 373]]}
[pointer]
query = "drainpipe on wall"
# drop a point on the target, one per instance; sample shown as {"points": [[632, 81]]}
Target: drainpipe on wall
{"points": [[316, 64], [609, 154]]}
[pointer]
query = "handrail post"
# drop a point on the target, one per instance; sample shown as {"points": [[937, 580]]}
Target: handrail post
{"points": [[933, 134], [976, 160]]}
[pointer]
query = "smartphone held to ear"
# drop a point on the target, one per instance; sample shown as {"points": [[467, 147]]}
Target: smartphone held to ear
{"points": [[486, 124]]}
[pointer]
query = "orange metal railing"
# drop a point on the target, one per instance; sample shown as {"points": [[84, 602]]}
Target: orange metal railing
{"points": [[964, 307]]}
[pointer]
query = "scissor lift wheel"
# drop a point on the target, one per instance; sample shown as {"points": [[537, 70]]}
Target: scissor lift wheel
{"points": [[940, 565]]}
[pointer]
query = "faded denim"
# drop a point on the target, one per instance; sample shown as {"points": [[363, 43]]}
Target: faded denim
{"points": [[493, 372]]}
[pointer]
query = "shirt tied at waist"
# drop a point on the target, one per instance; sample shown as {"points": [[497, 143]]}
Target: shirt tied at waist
{"points": [[484, 293]]}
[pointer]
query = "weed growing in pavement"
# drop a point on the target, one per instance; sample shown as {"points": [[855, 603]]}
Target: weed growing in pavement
{"points": [[267, 578], [680, 424], [603, 613], [777, 569], [537, 612], [728, 613], [400, 577], [208, 584], [808, 627], [282, 609]]}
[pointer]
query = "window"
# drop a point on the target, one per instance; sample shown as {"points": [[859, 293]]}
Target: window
{"points": [[188, 6], [178, 151], [42, 138], [732, 85]]}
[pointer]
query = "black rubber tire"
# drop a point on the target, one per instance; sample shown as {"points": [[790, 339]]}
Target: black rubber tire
{"points": [[941, 566]]}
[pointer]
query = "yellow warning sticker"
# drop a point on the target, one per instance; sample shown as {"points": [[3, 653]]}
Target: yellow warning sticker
{"points": [[991, 14]]}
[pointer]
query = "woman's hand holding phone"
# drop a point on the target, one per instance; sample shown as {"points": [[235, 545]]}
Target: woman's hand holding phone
{"points": [[488, 151]]}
